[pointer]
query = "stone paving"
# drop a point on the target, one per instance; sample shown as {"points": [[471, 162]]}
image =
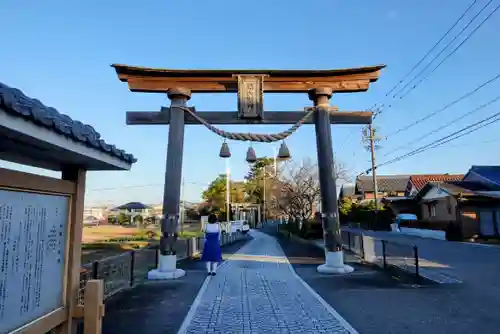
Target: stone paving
{"points": [[257, 291]]}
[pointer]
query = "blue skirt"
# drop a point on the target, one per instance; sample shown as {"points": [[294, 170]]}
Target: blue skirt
{"points": [[211, 248]]}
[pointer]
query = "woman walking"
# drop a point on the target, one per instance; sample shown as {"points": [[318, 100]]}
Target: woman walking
{"points": [[212, 253]]}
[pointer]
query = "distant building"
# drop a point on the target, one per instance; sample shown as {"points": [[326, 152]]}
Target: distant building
{"points": [[418, 182], [135, 207], [363, 189], [94, 214]]}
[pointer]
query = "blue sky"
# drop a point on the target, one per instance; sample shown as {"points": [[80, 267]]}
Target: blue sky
{"points": [[60, 52]]}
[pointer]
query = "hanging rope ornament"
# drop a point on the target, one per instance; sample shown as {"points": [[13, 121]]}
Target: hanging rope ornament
{"points": [[284, 152], [253, 137], [251, 157], [224, 151]]}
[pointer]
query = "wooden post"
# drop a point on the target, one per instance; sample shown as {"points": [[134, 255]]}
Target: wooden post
{"points": [[167, 259], [334, 262], [73, 257], [93, 311], [326, 171], [173, 172]]}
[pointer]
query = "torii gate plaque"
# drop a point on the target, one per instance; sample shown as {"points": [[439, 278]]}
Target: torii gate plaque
{"points": [[250, 86]]}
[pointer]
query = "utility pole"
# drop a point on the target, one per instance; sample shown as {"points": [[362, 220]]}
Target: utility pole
{"points": [[371, 141], [374, 172]]}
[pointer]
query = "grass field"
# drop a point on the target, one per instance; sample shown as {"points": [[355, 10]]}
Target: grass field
{"points": [[109, 240]]}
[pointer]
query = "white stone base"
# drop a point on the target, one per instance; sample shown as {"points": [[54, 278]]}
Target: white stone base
{"points": [[334, 264], [167, 269]]}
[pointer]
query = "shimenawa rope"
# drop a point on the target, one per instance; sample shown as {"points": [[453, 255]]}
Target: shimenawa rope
{"points": [[255, 137]]}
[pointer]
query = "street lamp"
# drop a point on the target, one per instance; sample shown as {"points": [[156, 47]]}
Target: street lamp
{"points": [[283, 154]]}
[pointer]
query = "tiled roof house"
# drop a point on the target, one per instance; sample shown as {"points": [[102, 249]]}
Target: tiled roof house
{"points": [[387, 185], [486, 175], [417, 182]]}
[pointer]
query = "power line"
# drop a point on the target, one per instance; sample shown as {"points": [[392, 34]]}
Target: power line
{"points": [[453, 136], [466, 95], [427, 53], [442, 50], [452, 52], [491, 141], [432, 48], [481, 107], [142, 186]]}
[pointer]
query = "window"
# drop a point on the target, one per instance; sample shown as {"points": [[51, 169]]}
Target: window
{"points": [[433, 210], [448, 204]]}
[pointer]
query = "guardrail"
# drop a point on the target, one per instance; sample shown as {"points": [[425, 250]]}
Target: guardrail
{"points": [[384, 253], [129, 269]]}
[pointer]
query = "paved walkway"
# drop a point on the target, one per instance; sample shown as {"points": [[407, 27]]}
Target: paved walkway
{"points": [[257, 291]]}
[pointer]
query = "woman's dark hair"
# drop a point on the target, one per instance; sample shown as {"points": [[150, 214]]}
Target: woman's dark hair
{"points": [[212, 218]]}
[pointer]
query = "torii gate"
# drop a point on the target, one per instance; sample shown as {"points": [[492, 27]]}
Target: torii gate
{"points": [[250, 86]]}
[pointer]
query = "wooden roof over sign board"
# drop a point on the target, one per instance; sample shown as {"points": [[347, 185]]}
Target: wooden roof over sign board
{"points": [[34, 134], [155, 80]]}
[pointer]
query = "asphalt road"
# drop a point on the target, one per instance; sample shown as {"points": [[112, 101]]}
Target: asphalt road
{"points": [[475, 264], [373, 302]]}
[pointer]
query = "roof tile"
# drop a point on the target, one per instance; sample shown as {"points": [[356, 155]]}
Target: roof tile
{"points": [[419, 181], [13, 101], [385, 183]]}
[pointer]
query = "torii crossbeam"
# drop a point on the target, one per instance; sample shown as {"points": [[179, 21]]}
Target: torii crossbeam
{"points": [[250, 86]]}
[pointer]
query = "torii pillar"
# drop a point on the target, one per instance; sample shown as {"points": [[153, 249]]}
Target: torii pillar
{"points": [[334, 259], [167, 259]]}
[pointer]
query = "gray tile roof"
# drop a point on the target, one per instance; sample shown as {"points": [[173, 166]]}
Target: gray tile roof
{"points": [[387, 183], [13, 101]]}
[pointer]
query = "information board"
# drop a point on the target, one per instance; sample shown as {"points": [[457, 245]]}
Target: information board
{"points": [[32, 256]]}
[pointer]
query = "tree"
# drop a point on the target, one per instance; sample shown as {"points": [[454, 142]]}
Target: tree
{"points": [[215, 194], [297, 190], [341, 171], [254, 185], [260, 182]]}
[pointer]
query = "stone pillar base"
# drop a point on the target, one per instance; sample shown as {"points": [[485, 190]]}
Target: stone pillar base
{"points": [[334, 264], [167, 269]]}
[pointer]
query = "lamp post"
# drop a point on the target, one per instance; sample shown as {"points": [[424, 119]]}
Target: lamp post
{"points": [[275, 167], [182, 204], [228, 188]]}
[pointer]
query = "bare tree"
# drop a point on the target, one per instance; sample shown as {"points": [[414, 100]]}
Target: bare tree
{"points": [[341, 171], [296, 190]]}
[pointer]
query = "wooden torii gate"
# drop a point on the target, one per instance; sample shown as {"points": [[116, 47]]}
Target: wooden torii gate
{"points": [[250, 86]]}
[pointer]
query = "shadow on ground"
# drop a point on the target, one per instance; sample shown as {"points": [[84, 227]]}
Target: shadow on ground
{"points": [[374, 302], [158, 307]]}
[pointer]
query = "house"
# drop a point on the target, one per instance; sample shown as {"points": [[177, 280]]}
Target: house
{"points": [[406, 203], [473, 203], [387, 186], [489, 176], [133, 207], [417, 182], [135, 210], [95, 215]]}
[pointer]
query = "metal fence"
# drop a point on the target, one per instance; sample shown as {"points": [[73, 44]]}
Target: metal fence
{"points": [[125, 270], [128, 269], [384, 253]]}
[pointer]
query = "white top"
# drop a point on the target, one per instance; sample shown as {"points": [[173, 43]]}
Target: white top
{"points": [[212, 228]]}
